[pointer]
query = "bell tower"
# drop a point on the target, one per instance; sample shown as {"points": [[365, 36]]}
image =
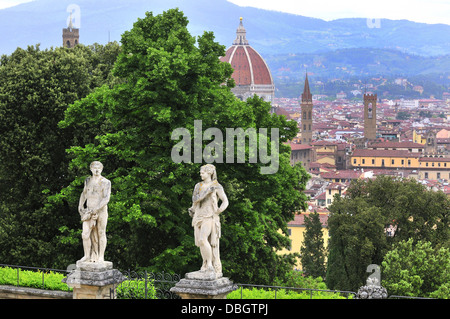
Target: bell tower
{"points": [[307, 109], [71, 35], [370, 116]]}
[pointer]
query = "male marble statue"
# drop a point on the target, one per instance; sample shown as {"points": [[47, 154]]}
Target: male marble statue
{"points": [[94, 214], [205, 212]]}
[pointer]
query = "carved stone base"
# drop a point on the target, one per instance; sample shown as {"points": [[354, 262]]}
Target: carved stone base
{"points": [[372, 292], [203, 285], [94, 280]]}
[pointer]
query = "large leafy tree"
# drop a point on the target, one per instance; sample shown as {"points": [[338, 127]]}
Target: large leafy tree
{"points": [[36, 86], [169, 79], [359, 222], [417, 269]]}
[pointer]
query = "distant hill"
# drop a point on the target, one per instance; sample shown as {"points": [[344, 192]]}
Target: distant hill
{"points": [[358, 62], [269, 32]]}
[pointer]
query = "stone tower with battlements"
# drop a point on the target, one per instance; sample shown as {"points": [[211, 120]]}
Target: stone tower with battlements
{"points": [[71, 35]]}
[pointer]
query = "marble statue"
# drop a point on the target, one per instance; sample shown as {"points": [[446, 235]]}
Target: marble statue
{"points": [[205, 212], [94, 214]]}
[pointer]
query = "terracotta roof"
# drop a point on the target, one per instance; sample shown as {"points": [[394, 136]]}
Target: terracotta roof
{"points": [[299, 219], [249, 67], [342, 174], [405, 144], [434, 159], [296, 147]]}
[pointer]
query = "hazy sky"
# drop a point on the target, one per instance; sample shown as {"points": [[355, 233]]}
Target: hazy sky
{"points": [[10, 3], [427, 11]]}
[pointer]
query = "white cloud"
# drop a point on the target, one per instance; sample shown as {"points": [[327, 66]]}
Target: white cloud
{"points": [[426, 11]]}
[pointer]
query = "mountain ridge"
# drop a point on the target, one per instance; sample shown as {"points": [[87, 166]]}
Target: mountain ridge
{"points": [[270, 32]]}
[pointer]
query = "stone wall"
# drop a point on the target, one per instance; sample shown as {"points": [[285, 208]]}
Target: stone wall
{"points": [[13, 292]]}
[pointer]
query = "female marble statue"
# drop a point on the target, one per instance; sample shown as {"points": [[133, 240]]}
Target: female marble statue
{"points": [[205, 212]]}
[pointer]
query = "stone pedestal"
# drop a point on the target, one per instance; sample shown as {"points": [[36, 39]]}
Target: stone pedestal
{"points": [[92, 280], [203, 285]]}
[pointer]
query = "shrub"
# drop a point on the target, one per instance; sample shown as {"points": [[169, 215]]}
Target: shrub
{"points": [[260, 293], [32, 279], [135, 289]]}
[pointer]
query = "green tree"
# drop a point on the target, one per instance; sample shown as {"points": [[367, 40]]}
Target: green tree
{"points": [[312, 250], [417, 269], [36, 86], [358, 223], [168, 80]]}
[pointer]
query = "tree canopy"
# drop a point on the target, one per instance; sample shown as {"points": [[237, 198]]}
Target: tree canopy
{"points": [[167, 79], [374, 215], [36, 87]]}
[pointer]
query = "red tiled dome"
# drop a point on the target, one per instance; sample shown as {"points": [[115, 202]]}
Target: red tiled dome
{"points": [[249, 67]]}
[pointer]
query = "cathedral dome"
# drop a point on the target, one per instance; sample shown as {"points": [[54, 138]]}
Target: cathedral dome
{"points": [[251, 73]]}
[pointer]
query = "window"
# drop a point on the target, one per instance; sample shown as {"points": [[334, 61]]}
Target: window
{"points": [[409, 162], [438, 175], [392, 162], [363, 161], [426, 175], [403, 162], [354, 161], [373, 161]]}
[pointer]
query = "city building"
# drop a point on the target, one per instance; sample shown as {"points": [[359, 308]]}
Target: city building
{"points": [[302, 153], [251, 73]]}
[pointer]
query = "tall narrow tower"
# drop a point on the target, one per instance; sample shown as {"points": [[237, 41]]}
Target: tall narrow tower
{"points": [[370, 116], [71, 35], [307, 108]]}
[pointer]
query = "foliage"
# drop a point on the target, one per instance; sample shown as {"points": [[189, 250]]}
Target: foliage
{"points": [[312, 250], [282, 293], [168, 79], [358, 222], [33, 279], [135, 289], [417, 269], [36, 86], [299, 279]]}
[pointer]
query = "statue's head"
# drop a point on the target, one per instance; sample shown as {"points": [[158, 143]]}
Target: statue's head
{"points": [[96, 167], [210, 169]]}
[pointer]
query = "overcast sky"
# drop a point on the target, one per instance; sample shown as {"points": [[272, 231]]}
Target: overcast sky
{"points": [[427, 11]]}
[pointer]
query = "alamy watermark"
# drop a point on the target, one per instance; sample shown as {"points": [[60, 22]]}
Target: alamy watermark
{"points": [[373, 23], [75, 15], [233, 145]]}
